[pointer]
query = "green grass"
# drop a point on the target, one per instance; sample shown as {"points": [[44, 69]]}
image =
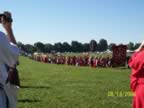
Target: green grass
{"points": [[90, 53], [61, 86]]}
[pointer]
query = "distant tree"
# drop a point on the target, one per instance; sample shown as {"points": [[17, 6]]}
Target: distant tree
{"points": [[102, 46], [110, 46], [39, 46], [58, 47], [21, 46], [86, 47], [48, 48], [80, 47], [66, 47], [136, 45], [93, 45], [29, 48], [131, 46], [76, 46]]}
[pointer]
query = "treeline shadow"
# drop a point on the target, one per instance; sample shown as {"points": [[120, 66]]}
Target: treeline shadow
{"points": [[35, 87], [28, 101]]}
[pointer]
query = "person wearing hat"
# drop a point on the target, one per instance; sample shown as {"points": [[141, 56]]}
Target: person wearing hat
{"points": [[9, 53]]}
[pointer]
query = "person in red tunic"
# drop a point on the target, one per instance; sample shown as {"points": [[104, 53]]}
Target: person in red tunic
{"points": [[136, 63]]}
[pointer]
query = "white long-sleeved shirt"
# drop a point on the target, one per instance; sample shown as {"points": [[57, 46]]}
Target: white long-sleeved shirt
{"points": [[8, 55]]}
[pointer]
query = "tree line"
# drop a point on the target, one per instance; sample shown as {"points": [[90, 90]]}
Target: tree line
{"points": [[75, 46]]}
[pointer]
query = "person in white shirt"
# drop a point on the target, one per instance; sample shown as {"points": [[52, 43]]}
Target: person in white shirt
{"points": [[9, 53]]}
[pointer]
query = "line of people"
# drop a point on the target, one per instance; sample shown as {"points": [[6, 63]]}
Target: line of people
{"points": [[84, 60]]}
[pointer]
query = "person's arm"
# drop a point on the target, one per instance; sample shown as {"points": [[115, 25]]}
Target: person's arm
{"points": [[141, 47], [8, 28], [9, 50], [11, 36]]}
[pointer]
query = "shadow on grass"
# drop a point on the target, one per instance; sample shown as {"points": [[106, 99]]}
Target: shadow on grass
{"points": [[35, 87], [28, 101], [121, 68]]}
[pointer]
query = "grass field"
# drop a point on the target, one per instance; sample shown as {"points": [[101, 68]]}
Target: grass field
{"points": [[61, 86]]}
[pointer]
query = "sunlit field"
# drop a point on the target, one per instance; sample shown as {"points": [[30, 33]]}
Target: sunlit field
{"points": [[62, 86]]}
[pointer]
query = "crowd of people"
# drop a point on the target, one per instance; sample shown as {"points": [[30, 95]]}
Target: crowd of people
{"points": [[83, 60]]}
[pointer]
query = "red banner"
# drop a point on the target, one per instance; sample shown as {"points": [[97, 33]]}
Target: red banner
{"points": [[119, 55]]}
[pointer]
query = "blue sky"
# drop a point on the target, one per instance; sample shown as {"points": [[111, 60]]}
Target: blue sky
{"points": [[50, 21]]}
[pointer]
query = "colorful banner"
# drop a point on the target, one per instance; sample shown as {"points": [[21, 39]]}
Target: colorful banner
{"points": [[119, 55]]}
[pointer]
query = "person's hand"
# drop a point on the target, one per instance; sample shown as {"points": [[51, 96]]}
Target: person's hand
{"points": [[7, 25]]}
